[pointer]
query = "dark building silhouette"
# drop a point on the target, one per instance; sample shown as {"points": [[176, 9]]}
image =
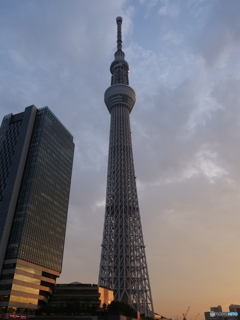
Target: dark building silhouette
{"points": [[36, 156], [86, 297], [123, 266]]}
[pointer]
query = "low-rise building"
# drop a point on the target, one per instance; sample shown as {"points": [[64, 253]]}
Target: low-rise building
{"points": [[85, 295], [234, 307], [216, 309]]}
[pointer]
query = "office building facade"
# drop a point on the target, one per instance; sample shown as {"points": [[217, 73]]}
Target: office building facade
{"points": [[36, 157]]}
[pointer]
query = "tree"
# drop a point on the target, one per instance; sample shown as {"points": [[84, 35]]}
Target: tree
{"points": [[118, 307]]}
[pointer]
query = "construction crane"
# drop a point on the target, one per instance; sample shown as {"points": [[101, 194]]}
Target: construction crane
{"points": [[185, 314], [196, 316]]}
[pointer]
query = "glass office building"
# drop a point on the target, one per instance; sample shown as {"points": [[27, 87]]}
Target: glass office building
{"points": [[36, 157]]}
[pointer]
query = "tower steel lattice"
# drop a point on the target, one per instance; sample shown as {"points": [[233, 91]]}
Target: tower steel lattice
{"points": [[123, 266]]}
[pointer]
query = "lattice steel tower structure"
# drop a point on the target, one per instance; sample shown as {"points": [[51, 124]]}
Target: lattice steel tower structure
{"points": [[123, 266]]}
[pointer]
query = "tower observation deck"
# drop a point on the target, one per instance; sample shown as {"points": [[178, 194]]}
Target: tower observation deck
{"points": [[123, 266]]}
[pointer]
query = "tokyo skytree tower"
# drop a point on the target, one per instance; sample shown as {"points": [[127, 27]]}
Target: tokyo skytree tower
{"points": [[123, 266]]}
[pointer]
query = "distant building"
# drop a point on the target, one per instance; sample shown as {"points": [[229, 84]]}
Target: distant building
{"points": [[216, 309], [234, 307], [216, 313], [36, 157], [208, 317], [86, 295]]}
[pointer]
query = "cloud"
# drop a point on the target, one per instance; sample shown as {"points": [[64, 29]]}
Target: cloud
{"points": [[168, 9], [219, 37]]}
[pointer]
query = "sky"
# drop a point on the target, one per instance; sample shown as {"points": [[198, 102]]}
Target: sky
{"points": [[185, 69]]}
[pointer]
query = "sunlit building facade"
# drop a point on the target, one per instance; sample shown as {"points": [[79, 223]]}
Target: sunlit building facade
{"points": [[36, 156]]}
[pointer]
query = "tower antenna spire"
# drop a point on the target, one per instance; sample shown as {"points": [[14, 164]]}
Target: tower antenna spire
{"points": [[119, 33]]}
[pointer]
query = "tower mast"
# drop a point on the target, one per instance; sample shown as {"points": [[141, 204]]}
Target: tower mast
{"points": [[123, 266]]}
